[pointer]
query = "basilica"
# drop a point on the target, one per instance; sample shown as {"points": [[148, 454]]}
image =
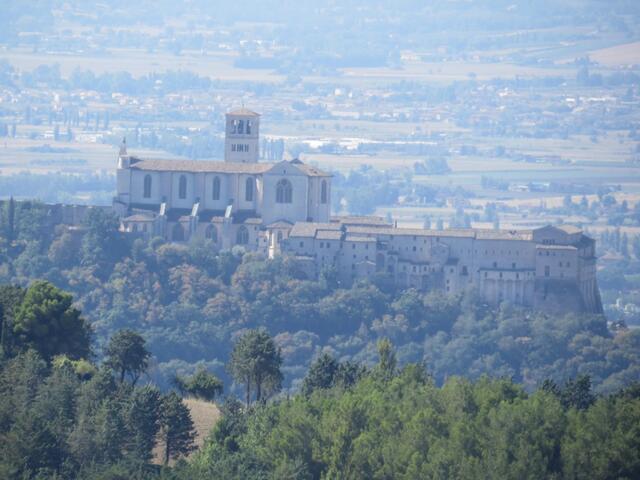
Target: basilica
{"points": [[238, 201], [284, 209]]}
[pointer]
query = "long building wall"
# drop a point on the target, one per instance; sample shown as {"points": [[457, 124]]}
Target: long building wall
{"points": [[525, 268]]}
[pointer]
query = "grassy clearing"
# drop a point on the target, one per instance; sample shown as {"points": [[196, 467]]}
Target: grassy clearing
{"points": [[204, 415]]}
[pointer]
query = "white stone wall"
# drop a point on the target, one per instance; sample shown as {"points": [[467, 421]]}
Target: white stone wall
{"points": [[296, 211], [559, 263], [499, 269], [188, 201], [207, 202], [137, 188]]}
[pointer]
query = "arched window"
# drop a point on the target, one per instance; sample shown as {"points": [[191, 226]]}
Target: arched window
{"points": [[284, 191], [216, 188], [211, 233], [323, 192], [177, 234], [182, 187], [279, 236], [248, 129], [242, 237], [147, 186], [248, 189]]}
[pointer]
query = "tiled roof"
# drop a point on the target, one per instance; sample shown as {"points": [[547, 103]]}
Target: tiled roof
{"points": [[410, 232], [308, 229], [504, 234], [570, 229], [449, 233], [214, 166], [198, 166], [208, 215], [280, 224], [359, 238], [361, 220], [312, 171], [328, 234], [139, 217], [243, 111]]}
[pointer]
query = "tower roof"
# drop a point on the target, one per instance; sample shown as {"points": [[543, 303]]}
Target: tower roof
{"points": [[244, 112]]}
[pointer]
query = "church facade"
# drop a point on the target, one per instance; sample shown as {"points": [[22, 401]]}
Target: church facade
{"points": [[284, 208], [235, 202]]}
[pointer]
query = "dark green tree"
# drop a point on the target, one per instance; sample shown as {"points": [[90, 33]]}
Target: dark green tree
{"points": [[203, 385], [321, 374], [48, 322], [10, 299], [126, 354], [255, 361], [575, 393], [142, 420], [99, 431], [102, 242], [176, 427]]}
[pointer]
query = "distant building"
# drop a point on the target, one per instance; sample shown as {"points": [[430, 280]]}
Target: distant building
{"points": [[550, 268], [235, 202], [284, 208]]}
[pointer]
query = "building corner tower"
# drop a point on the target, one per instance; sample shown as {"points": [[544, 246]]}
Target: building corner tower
{"points": [[242, 136]]}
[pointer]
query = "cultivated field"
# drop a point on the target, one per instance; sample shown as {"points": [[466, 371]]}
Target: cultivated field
{"points": [[625, 54]]}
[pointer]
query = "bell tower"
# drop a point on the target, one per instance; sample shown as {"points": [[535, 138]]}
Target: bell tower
{"points": [[242, 136]]}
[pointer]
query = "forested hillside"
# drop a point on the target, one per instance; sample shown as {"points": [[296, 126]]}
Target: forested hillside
{"points": [[63, 416], [190, 304], [361, 382], [399, 425]]}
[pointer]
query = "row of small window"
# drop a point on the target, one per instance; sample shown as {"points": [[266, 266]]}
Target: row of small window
{"points": [[416, 269], [495, 265], [239, 147], [284, 189], [486, 275], [241, 126], [215, 195]]}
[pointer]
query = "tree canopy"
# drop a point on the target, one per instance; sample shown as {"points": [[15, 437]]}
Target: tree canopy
{"points": [[255, 362], [126, 354], [47, 321]]}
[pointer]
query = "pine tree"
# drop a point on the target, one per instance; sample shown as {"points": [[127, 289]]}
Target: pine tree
{"points": [[142, 420], [176, 427]]}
